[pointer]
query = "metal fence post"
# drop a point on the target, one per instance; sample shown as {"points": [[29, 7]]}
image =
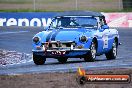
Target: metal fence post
{"points": [[76, 5], [34, 5], [120, 5]]}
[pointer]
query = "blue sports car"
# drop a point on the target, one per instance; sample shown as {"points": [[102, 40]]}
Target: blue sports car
{"points": [[75, 34]]}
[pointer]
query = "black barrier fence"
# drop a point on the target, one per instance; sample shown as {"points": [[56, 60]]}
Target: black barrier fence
{"points": [[127, 4]]}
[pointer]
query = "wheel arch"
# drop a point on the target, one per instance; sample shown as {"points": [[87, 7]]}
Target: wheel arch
{"points": [[116, 40], [95, 40]]}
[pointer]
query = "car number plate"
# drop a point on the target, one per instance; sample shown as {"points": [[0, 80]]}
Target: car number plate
{"points": [[58, 52]]}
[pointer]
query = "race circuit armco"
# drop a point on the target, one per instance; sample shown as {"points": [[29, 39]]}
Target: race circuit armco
{"points": [[20, 39]]}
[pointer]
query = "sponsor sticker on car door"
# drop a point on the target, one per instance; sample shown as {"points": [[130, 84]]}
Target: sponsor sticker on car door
{"points": [[105, 40]]}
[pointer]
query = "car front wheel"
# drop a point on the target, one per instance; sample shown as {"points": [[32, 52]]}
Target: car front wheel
{"points": [[38, 59], [113, 52], [90, 57]]}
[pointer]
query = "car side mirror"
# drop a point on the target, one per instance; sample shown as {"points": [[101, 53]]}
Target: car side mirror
{"points": [[105, 27]]}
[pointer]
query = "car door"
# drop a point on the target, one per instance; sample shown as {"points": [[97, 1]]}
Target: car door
{"points": [[106, 36], [105, 39], [103, 36]]}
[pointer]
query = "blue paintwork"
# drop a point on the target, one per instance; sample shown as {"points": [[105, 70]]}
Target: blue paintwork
{"points": [[73, 34]]}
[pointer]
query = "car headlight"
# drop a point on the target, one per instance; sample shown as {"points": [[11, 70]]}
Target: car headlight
{"points": [[83, 38], [36, 39]]}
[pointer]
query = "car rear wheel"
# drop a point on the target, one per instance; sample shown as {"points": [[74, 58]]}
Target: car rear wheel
{"points": [[113, 52], [38, 59], [90, 57], [62, 60]]}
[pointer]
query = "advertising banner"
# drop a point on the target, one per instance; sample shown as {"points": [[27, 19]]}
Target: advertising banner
{"points": [[44, 18], [25, 18], [119, 19]]}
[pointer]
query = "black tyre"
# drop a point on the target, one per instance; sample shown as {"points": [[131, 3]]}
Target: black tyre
{"points": [[38, 59], [62, 60], [90, 57], [113, 52]]}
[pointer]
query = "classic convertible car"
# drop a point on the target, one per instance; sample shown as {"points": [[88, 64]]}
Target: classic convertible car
{"points": [[75, 34]]}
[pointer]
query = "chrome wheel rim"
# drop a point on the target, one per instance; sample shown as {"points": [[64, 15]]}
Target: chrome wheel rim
{"points": [[114, 49], [93, 50]]}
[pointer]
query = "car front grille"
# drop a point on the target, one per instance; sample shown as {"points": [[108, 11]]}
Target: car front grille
{"points": [[58, 44]]}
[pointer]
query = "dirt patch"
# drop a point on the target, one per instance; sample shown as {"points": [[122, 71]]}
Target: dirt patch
{"points": [[59, 80]]}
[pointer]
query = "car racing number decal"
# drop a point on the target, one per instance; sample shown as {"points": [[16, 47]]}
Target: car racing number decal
{"points": [[105, 41]]}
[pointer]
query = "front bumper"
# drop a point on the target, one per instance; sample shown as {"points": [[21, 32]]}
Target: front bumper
{"points": [[62, 52]]}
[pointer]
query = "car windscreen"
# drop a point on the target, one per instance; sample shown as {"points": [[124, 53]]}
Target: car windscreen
{"points": [[70, 22]]}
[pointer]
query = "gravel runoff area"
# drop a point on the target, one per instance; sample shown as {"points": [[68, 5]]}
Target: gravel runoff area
{"points": [[60, 80], [12, 57]]}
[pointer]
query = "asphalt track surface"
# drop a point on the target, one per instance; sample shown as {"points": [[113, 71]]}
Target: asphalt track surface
{"points": [[20, 39]]}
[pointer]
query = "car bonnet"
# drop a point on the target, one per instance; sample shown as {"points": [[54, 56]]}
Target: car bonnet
{"points": [[67, 34]]}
